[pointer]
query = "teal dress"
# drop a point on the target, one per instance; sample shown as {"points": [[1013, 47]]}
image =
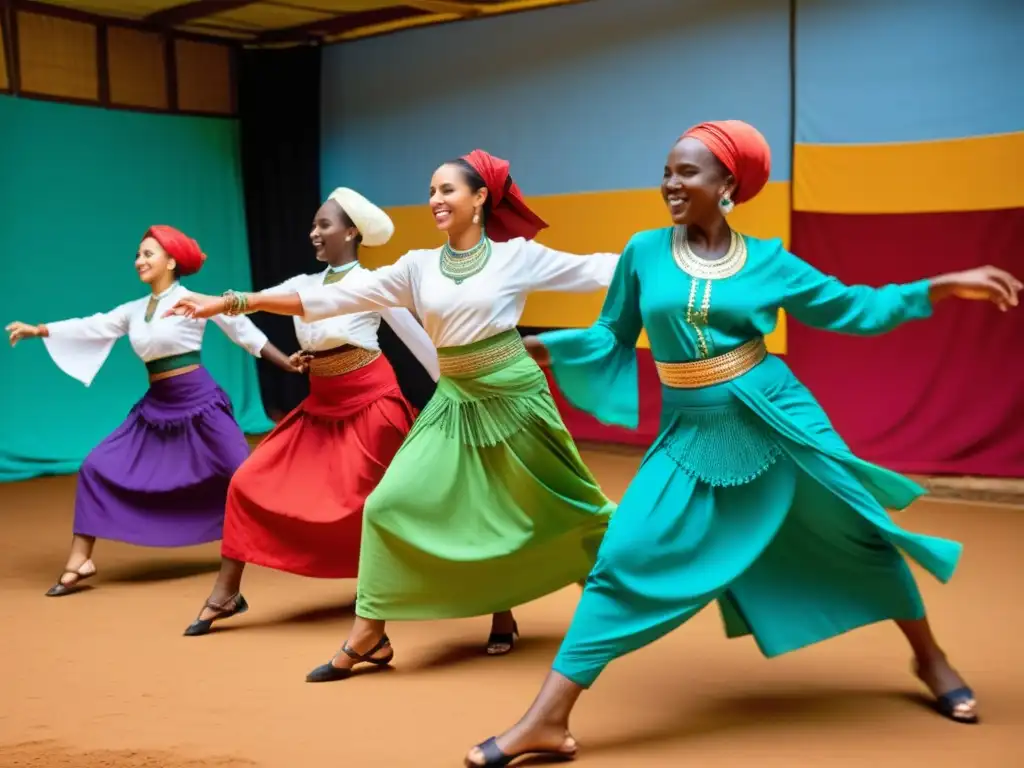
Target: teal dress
{"points": [[748, 496]]}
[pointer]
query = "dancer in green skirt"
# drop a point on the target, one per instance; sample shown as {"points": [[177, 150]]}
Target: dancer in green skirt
{"points": [[487, 505], [748, 497]]}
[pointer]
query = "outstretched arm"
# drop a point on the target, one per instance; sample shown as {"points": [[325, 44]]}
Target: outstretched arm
{"points": [[552, 270], [822, 301], [78, 346], [368, 291]]}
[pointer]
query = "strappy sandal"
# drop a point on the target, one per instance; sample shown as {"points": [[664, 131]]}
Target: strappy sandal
{"points": [[495, 641], [328, 673], [61, 588], [495, 758], [949, 703], [202, 626]]}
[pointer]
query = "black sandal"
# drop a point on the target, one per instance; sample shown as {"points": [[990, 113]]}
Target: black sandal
{"points": [[60, 588], [328, 673], [495, 758], [505, 638], [202, 626]]}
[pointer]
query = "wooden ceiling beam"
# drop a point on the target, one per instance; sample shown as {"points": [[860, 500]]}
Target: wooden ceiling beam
{"points": [[337, 25], [196, 9], [460, 7]]}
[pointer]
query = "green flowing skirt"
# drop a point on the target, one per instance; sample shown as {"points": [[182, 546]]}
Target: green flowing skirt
{"points": [[750, 498], [486, 506]]}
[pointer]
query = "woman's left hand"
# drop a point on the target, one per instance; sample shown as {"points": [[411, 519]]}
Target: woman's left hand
{"points": [[981, 284], [196, 305]]}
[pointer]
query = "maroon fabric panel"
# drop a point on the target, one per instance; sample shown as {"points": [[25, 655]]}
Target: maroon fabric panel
{"points": [[942, 396]]}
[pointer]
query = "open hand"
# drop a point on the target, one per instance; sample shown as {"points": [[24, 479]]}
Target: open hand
{"points": [[537, 350], [196, 305], [983, 284], [299, 361], [17, 331]]}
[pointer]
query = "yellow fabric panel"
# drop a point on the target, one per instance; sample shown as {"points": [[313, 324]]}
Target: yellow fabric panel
{"points": [[589, 223], [137, 66], [57, 57], [204, 77], [972, 174]]}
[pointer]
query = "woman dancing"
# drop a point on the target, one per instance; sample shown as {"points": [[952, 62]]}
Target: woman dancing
{"points": [[296, 504], [161, 478], [748, 496], [487, 505]]}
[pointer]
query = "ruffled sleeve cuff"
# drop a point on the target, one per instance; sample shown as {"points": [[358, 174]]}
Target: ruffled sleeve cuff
{"points": [[596, 373]]}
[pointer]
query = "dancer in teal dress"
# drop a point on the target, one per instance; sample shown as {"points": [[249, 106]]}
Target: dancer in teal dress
{"points": [[748, 497]]}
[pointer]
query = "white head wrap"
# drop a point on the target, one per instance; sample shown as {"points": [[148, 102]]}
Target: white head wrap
{"points": [[373, 224]]}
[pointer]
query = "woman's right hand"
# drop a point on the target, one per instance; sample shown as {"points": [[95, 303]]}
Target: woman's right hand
{"points": [[299, 361], [196, 305], [17, 331], [536, 349]]}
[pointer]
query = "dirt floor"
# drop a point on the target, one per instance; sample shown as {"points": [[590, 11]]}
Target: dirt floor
{"points": [[105, 679]]}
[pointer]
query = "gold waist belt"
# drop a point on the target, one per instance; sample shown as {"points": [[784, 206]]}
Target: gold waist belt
{"points": [[714, 370], [481, 356], [339, 361]]}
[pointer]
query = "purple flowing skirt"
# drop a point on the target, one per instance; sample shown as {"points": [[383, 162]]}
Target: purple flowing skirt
{"points": [[161, 478]]}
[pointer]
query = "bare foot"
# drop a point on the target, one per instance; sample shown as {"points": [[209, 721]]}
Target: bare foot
{"points": [[525, 739], [75, 571], [941, 679]]}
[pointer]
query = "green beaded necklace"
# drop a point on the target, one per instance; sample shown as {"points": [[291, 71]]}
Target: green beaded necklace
{"points": [[462, 265]]}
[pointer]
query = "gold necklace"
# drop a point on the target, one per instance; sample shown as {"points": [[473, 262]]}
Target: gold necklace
{"points": [[462, 265], [705, 269]]}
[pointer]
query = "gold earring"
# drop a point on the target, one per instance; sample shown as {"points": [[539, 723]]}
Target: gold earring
{"points": [[476, 217]]}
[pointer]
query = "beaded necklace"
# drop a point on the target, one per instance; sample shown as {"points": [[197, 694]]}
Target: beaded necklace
{"points": [[462, 265]]}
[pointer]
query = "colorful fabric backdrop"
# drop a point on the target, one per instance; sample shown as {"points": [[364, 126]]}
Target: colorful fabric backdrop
{"points": [[908, 164], [78, 187]]}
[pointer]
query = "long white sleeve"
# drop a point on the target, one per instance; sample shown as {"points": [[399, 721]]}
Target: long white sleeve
{"points": [[80, 346], [243, 331], [552, 270], [291, 285], [365, 291], [414, 337]]}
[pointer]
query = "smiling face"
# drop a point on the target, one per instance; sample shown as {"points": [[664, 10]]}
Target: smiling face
{"points": [[330, 228], [152, 262], [694, 183], [453, 202]]}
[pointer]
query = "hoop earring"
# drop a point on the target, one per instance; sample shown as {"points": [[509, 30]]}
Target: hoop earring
{"points": [[726, 205], [476, 217]]}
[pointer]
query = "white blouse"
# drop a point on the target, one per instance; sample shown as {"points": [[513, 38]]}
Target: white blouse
{"points": [[484, 305], [80, 346], [359, 329]]}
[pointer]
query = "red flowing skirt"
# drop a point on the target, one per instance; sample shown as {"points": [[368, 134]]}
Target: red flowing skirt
{"points": [[296, 504]]}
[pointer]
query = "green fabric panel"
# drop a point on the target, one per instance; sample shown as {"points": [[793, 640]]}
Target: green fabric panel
{"points": [[78, 188]]}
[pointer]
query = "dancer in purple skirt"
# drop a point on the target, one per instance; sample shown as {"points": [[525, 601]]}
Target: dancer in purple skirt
{"points": [[161, 478]]}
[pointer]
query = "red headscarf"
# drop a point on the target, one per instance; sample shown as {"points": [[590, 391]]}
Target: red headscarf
{"points": [[742, 149], [510, 216], [179, 246]]}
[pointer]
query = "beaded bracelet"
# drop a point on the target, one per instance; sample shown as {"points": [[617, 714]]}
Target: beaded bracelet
{"points": [[237, 303]]}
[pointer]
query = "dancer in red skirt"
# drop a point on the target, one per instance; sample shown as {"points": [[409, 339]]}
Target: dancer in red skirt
{"points": [[296, 504]]}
